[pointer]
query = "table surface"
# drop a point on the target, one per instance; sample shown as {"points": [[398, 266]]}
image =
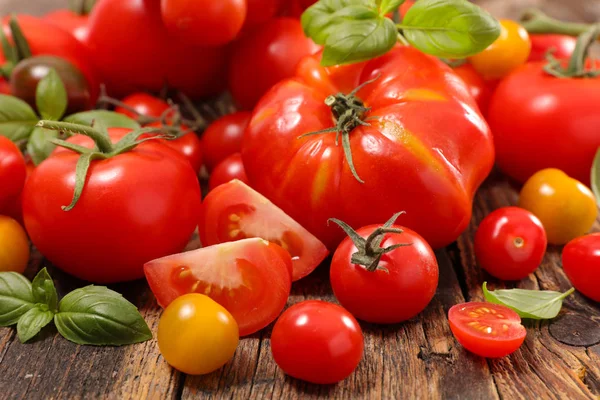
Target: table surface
{"points": [[560, 359]]}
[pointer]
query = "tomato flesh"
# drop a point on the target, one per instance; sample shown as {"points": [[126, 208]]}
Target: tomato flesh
{"points": [[486, 329]]}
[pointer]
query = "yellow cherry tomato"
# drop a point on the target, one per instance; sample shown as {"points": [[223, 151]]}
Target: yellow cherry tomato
{"points": [[566, 207], [196, 335], [14, 246], [509, 51]]}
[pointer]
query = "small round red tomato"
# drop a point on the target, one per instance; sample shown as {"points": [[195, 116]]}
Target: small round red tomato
{"points": [[385, 287], [224, 137], [486, 329], [317, 342], [230, 168], [72, 22], [188, 145], [143, 104], [264, 57], [478, 87], [12, 173], [560, 46], [251, 278], [510, 243], [581, 263], [259, 12]]}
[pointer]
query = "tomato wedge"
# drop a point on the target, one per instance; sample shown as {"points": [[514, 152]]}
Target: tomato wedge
{"points": [[486, 329], [234, 211], [251, 278]]}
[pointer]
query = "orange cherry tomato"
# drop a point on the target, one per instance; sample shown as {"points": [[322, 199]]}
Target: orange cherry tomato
{"points": [[14, 246]]}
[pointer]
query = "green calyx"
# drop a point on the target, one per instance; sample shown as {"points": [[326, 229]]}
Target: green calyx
{"points": [[13, 53], [576, 68], [369, 250], [103, 150]]}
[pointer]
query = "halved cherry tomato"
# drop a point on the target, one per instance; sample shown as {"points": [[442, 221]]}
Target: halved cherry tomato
{"points": [[251, 278], [12, 173], [230, 168], [224, 137], [14, 246], [581, 263], [486, 329], [234, 211]]}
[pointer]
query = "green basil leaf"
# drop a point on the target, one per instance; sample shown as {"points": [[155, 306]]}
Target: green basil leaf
{"points": [[16, 297], [97, 315], [51, 96], [388, 6], [449, 28], [595, 178], [32, 322], [44, 291], [110, 119], [534, 304], [17, 118], [39, 145]]}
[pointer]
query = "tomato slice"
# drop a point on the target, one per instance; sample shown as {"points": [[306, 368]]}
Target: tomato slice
{"points": [[251, 278], [486, 329], [234, 211]]}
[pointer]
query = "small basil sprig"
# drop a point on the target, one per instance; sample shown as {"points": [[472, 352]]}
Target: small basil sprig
{"points": [[358, 30], [92, 315], [533, 304]]}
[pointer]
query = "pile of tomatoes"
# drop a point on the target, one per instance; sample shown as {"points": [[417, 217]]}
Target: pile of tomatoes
{"points": [[119, 198]]}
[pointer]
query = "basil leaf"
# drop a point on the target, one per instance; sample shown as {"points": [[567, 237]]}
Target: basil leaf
{"points": [[51, 96], [16, 297], [388, 6], [17, 118], [44, 291], [534, 304], [449, 28], [32, 322], [97, 315], [109, 118], [595, 178], [39, 145]]}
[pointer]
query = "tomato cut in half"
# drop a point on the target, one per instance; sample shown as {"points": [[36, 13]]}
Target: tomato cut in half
{"points": [[234, 211], [251, 278], [486, 329]]}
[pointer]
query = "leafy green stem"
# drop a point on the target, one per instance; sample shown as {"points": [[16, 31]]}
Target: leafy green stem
{"points": [[101, 139]]}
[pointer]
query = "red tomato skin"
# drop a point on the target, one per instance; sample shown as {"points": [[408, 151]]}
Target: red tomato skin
{"points": [[562, 45], [496, 249], [230, 168], [70, 21], [581, 263], [224, 137], [257, 61], [188, 145], [488, 347], [12, 174], [533, 114], [259, 12], [386, 297], [478, 87], [127, 34], [135, 207], [144, 104], [317, 342], [310, 178]]}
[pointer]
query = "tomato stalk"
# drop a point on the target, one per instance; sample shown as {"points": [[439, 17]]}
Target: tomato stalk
{"points": [[13, 53], [576, 68], [536, 21], [369, 250]]}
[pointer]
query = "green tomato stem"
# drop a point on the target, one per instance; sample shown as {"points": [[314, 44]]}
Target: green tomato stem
{"points": [[577, 63], [535, 21], [102, 140]]}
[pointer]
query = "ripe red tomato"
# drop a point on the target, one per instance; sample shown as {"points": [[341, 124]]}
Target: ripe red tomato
{"points": [[143, 104], [562, 46], [259, 12], [188, 145], [510, 243], [204, 22], [486, 329], [224, 137], [12, 174], [264, 57], [405, 160], [317, 342], [533, 115], [295, 8], [134, 207], [478, 87], [230, 168], [75, 24], [581, 263], [234, 211], [251, 278], [132, 51], [401, 285]]}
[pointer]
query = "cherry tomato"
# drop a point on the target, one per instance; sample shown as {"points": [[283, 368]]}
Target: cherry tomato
{"points": [[75, 24], [251, 278], [259, 12], [581, 263], [12, 173], [230, 168], [486, 329], [561, 46], [510, 243], [264, 57], [4, 87], [478, 87], [566, 207], [14, 246], [204, 22], [224, 137], [188, 145], [196, 335], [234, 211], [295, 8], [317, 342], [134, 207], [27, 74], [508, 52], [399, 287], [143, 104]]}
